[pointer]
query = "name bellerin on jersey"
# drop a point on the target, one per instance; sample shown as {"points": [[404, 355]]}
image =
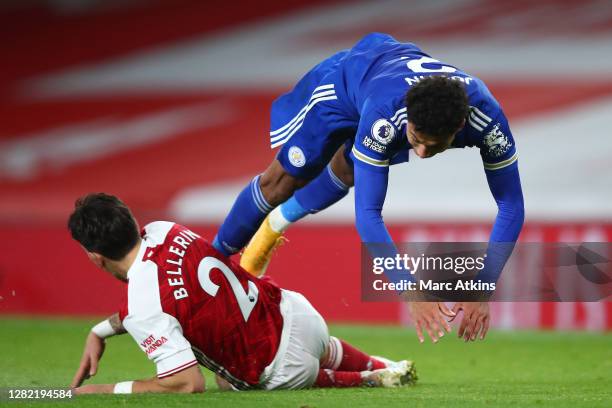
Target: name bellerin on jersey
{"points": [[183, 240]]}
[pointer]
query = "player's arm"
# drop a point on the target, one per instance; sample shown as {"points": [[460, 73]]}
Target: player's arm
{"points": [[371, 177], [370, 192], [94, 348], [189, 380], [500, 160], [505, 186], [371, 156], [371, 170], [160, 336]]}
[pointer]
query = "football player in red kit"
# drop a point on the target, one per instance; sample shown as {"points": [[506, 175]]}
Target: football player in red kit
{"points": [[188, 304]]}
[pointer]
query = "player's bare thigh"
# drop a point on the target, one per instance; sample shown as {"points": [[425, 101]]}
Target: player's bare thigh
{"points": [[277, 185], [341, 168]]}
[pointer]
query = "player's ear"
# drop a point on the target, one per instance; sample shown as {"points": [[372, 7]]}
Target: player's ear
{"points": [[461, 126], [96, 258]]}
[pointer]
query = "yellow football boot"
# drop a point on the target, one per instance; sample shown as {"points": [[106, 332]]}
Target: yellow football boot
{"points": [[258, 252]]}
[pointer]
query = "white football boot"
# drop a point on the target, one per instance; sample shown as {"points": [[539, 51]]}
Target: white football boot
{"points": [[395, 375]]}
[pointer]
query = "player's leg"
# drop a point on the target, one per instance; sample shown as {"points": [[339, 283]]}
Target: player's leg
{"points": [[330, 186], [343, 379], [308, 344], [391, 377], [304, 342], [384, 377], [343, 365], [255, 201], [302, 122], [342, 356], [339, 369]]}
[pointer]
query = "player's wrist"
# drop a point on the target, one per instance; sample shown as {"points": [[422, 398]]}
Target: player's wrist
{"points": [[103, 329]]}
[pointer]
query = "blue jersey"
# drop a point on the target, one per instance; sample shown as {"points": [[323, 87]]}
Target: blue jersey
{"points": [[363, 89]]}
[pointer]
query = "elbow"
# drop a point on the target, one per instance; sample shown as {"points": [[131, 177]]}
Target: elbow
{"points": [[193, 385], [196, 387], [188, 381], [361, 229], [517, 210], [522, 215], [364, 225], [514, 210], [199, 389]]}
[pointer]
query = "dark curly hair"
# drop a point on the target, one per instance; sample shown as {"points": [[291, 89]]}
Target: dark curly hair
{"points": [[103, 224], [437, 106]]}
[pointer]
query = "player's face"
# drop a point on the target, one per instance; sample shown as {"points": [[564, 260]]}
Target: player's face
{"points": [[426, 146]]}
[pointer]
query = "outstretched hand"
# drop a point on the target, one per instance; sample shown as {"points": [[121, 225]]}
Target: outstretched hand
{"points": [[94, 348], [430, 317], [475, 319]]}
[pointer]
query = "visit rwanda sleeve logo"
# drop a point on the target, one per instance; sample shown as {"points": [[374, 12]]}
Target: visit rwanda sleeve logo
{"points": [[497, 142], [383, 131]]}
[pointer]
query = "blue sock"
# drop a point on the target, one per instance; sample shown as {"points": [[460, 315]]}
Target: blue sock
{"points": [[325, 190], [249, 210]]}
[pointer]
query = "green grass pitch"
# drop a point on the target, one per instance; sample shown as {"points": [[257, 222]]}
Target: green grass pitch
{"points": [[508, 369]]}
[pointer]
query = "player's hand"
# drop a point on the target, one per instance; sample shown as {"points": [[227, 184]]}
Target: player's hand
{"points": [[475, 319], [94, 348], [429, 317]]}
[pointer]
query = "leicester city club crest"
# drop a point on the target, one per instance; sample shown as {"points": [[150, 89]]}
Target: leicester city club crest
{"points": [[296, 156]]}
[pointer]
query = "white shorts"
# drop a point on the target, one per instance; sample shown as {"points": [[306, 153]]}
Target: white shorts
{"points": [[303, 342]]}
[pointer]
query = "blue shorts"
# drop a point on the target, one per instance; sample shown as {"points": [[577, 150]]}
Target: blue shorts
{"points": [[310, 123]]}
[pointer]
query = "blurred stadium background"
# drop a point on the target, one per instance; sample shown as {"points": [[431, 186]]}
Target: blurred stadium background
{"points": [[165, 104]]}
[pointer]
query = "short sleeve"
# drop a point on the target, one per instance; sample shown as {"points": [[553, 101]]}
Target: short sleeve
{"points": [[377, 133], [160, 336]]}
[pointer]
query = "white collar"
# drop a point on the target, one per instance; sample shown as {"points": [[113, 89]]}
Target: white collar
{"points": [[138, 259]]}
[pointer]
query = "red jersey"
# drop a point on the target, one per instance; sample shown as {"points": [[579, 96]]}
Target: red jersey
{"points": [[188, 303]]}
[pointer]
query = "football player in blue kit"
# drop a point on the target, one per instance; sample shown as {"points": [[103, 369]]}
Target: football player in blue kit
{"points": [[344, 123]]}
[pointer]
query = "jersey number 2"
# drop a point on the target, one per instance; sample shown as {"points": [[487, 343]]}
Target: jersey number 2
{"points": [[246, 300], [416, 65]]}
